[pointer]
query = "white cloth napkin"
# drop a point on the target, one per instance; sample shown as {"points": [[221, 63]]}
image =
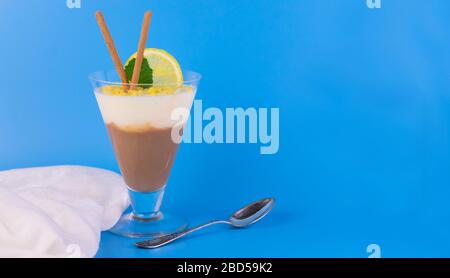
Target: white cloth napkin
{"points": [[58, 211]]}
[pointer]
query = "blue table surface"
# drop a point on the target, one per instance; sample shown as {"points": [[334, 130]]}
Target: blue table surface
{"points": [[364, 99]]}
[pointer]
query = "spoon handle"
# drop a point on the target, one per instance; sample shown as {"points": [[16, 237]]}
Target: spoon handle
{"points": [[163, 240]]}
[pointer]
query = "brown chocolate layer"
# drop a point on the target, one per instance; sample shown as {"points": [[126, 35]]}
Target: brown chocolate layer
{"points": [[145, 155]]}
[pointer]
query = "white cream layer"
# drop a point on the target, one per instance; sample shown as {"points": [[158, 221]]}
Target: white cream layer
{"points": [[159, 111]]}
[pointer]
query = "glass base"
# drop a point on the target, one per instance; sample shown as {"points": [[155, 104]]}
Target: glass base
{"points": [[131, 226], [145, 219]]}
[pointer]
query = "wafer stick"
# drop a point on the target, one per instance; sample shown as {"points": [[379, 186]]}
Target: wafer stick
{"points": [[141, 48], [111, 47]]}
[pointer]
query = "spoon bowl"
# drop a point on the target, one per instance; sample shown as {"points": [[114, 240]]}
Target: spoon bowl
{"points": [[252, 213]]}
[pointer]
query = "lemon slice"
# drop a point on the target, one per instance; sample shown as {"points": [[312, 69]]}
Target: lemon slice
{"points": [[166, 70]]}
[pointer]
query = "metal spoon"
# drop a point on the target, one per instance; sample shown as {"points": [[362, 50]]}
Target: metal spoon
{"points": [[242, 218]]}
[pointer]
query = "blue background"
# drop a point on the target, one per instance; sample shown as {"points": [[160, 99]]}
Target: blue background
{"points": [[364, 98]]}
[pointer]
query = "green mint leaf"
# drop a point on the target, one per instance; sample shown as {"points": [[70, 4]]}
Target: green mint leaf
{"points": [[146, 76]]}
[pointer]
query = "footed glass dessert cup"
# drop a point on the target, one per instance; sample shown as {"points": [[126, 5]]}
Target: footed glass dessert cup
{"points": [[145, 124]]}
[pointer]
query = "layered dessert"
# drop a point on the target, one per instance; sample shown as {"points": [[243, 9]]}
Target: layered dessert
{"points": [[139, 118], [140, 124]]}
